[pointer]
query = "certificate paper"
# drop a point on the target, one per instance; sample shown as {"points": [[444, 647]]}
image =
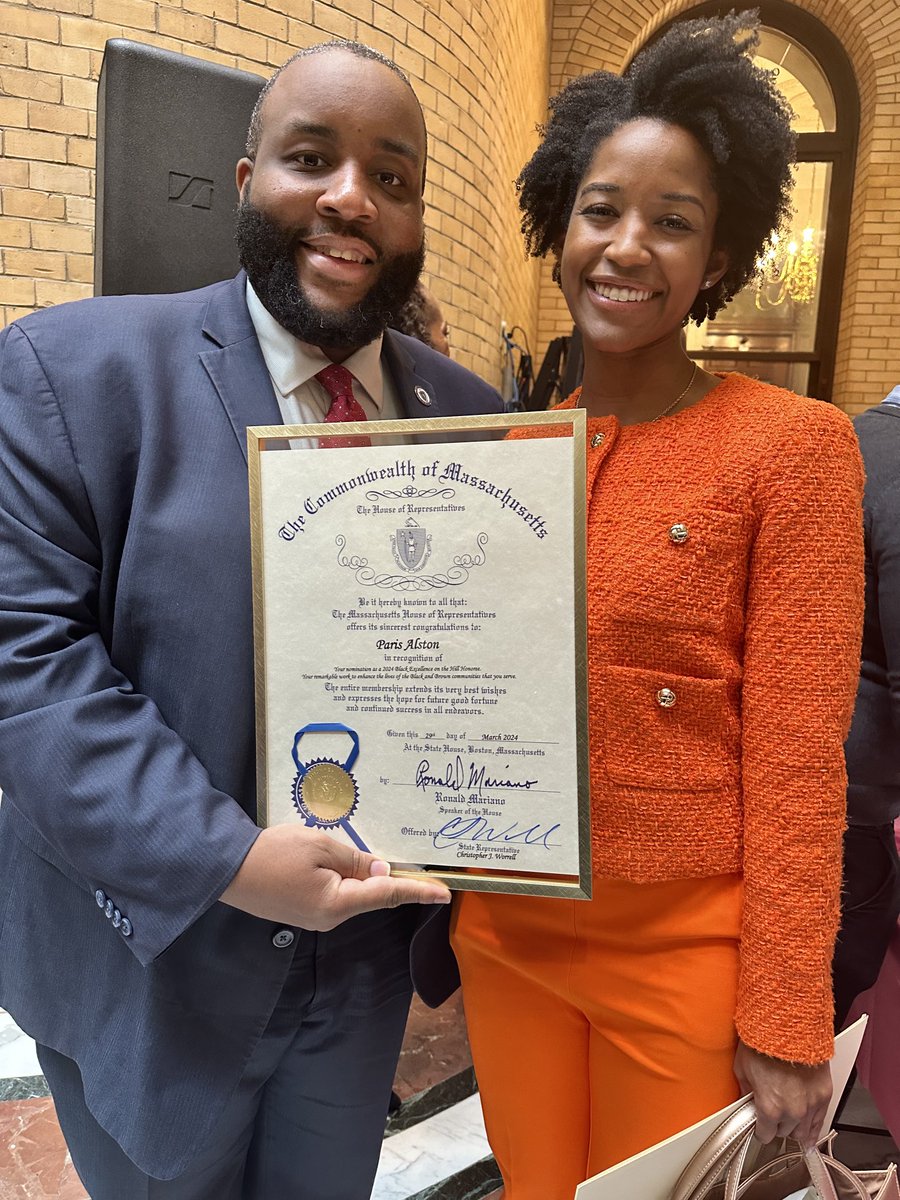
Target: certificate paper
{"points": [[419, 617]]}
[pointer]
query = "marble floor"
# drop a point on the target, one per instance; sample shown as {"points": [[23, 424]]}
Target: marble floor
{"points": [[434, 1149]]}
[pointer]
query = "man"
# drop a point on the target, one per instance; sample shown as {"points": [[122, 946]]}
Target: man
{"points": [[871, 897], [201, 1040]]}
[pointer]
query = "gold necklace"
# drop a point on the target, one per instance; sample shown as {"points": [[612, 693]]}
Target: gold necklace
{"points": [[681, 395]]}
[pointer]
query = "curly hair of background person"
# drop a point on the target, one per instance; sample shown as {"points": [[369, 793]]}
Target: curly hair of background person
{"points": [[421, 318]]}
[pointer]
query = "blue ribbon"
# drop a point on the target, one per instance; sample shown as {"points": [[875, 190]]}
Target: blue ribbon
{"points": [[309, 818]]}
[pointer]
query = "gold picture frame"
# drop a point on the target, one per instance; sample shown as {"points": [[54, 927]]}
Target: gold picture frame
{"points": [[289, 607]]}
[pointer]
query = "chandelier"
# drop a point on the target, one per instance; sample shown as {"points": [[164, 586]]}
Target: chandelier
{"points": [[787, 269]]}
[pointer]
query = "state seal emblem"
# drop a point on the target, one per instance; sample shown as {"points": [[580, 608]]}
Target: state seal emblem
{"points": [[412, 546]]}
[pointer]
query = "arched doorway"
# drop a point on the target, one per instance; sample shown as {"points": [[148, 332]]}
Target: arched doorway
{"points": [[783, 328]]}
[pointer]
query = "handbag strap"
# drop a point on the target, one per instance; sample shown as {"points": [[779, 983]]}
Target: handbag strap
{"points": [[736, 1170], [821, 1168], [715, 1154], [834, 1167], [821, 1176], [725, 1152]]}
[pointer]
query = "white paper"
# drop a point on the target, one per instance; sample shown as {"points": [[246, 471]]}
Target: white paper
{"points": [[422, 596]]}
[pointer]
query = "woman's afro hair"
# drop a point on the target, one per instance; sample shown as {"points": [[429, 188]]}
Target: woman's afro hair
{"points": [[699, 76]]}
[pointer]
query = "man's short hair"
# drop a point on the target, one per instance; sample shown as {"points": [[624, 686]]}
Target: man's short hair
{"points": [[254, 131]]}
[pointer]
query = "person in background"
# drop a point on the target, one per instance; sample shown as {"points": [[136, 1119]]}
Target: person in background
{"points": [[870, 903], [725, 596], [421, 317], [218, 1008]]}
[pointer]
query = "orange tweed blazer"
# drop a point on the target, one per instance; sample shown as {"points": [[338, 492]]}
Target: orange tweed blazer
{"points": [[723, 663]]}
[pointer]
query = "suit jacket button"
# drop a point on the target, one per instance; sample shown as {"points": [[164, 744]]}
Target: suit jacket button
{"points": [[100, 897], [665, 698], [422, 396], [125, 928], [679, 534], [109, 908], [116, 918], [283, 938]]}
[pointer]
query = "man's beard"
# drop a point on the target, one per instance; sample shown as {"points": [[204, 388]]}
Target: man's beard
{"points": [[266, 251]]}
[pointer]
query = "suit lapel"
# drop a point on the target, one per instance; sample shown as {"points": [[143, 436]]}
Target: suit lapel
{"points": [[235, 365], [416, 395]]}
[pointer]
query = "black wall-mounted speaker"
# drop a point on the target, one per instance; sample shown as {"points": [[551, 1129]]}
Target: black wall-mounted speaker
{"points": [[170, 129]]}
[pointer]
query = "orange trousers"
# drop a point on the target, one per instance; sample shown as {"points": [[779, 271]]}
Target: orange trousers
{"points": [[598, 1027]]}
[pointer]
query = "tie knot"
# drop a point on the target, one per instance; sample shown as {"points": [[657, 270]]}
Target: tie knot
{"points": [[337, 381]]}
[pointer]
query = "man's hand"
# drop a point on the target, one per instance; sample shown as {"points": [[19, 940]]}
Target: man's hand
{"points": [[791, 1099], [298, 876]]}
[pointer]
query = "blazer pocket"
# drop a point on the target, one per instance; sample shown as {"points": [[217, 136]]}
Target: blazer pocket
{"points": [[661, 730], [676, 568], [36, 842]]}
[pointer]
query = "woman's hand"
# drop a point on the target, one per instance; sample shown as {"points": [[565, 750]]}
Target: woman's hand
{"points": [[791, 1099]]}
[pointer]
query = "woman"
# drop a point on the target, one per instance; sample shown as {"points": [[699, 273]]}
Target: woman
{"points": [[421, 317], [725, 599]]}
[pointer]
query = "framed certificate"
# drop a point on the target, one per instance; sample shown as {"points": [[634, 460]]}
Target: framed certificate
{"points": [[419, 611]]}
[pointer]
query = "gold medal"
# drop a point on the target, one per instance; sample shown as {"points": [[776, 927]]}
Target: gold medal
{"points": [[328, 793]]}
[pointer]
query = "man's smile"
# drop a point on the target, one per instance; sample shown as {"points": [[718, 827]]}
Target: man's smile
{"points": [[339, 246]]}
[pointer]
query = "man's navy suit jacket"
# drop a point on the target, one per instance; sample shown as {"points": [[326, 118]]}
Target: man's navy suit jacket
{"points": [[126, 699]]}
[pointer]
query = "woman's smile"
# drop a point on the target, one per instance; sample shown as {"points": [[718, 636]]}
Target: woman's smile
{"points": [[620, 293]]}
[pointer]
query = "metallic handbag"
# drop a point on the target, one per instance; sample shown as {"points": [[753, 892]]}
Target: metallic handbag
{"points": [[719, 1170]]}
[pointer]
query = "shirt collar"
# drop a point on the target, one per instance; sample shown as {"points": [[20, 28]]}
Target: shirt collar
{"points": [[291, 363], [893, 397]]}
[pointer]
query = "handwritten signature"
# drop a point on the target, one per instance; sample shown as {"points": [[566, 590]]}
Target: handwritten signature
{"points": [[456, 779], [479, 829]]}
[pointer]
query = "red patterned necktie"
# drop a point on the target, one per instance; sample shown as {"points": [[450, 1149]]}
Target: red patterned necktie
{"points": [[338, 383]]}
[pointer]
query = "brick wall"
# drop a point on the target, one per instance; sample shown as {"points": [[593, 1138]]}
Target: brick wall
{"points": [[587, 36], [481, 74]]}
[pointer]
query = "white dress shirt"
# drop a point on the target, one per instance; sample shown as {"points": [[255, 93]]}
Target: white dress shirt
{"points": [[292, 366]]}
